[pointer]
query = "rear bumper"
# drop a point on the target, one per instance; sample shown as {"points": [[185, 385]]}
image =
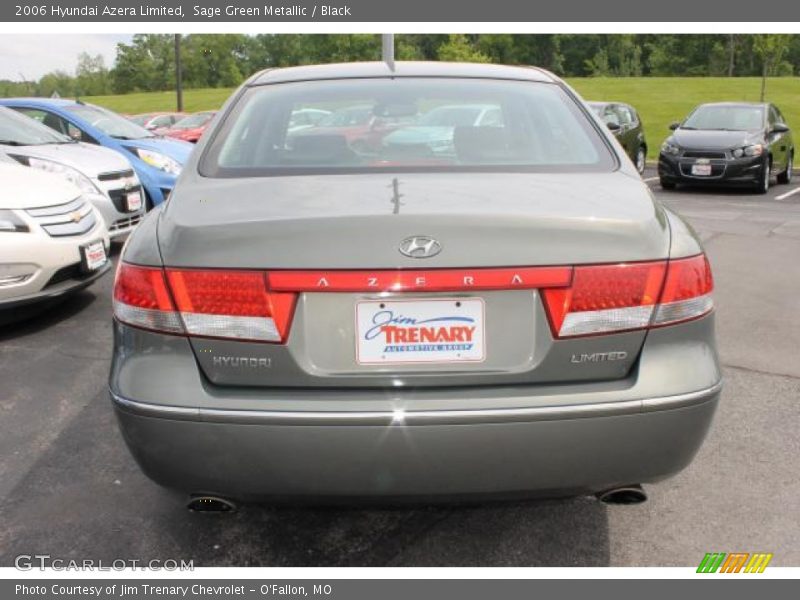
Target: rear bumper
{"points": [[540, 450]]}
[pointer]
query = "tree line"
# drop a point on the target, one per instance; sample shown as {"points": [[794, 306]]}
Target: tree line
{"points": [[147, 63]]}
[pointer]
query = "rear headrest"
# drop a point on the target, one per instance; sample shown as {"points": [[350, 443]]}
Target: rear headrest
{"points": [[481, 144]]}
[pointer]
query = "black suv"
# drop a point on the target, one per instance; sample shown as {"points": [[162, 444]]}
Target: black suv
{"points": [[728, 143], [625, 124]]}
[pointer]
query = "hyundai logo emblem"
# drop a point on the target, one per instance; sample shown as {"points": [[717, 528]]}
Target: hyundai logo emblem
{"points": [[420, 246]]}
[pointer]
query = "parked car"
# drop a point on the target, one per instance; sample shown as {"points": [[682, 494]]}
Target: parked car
{"points": [[362, 129], [104, 177], [728, 143], [156, 120], [624, 122], [53, 242], [527, 319], [190, 128], [435, 129], [305, 118], [157, 161]]}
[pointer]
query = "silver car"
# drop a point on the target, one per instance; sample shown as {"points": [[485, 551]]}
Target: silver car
{"points": [[104, 176], [308, 319]]}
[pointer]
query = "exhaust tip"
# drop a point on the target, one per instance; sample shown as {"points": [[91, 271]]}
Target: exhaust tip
{"points": [[628, 494], [211, 504]]}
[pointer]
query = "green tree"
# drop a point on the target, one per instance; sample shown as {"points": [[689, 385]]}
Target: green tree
{"points": [[770, 48], [458, 48]]}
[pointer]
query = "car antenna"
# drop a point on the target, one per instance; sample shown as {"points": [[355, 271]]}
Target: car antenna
{"points": [[387, 50]]}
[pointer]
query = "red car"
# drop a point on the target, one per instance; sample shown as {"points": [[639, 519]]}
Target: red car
{"points": [[190, 128], [359, 125]]}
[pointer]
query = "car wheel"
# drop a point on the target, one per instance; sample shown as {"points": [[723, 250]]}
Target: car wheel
{"points": [[762, 184], [641, 159], [786, 176], [667, 185]]}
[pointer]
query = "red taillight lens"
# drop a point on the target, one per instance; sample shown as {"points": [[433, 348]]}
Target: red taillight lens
{"points": [[609, 298], [224, 304], [231, 304], [687, 291], [141, 298]]}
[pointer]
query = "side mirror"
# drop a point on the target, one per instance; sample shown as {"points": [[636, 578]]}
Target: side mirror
{"points": [[674, 126], [780, 128]]}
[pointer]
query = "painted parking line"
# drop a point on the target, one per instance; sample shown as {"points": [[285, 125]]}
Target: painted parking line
{"points": [[649, 179], [788, 194]]}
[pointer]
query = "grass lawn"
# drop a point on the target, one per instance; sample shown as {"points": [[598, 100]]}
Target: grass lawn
{"points": [[659, 100], [662, 100]]}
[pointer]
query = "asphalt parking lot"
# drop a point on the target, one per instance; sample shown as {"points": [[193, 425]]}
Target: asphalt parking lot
{"points": [[69, 488]]}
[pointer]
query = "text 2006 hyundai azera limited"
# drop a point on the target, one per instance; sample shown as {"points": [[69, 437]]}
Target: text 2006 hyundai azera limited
{"points": [[497, 307]]}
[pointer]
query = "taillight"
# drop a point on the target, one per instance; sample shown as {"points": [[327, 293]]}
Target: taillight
{"points": [[687, 291], [231, 304], [621, 297], [141, 298], [224, 304]]}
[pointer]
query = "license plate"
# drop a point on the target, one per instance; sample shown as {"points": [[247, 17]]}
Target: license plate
{"points": [[133, 201], [94, 255], [439, 330], [701, 170]]}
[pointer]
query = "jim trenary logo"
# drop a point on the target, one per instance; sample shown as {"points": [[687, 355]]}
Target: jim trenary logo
{"points": [[734, 562]]}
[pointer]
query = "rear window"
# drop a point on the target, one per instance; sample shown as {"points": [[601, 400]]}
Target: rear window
{"points": [[365, 125]]}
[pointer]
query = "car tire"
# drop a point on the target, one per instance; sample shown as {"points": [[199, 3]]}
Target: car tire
{"points": [[666, 184], [641, 159], [762, 183], [786, 176]]}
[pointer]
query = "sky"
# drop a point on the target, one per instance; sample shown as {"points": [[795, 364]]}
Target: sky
{"points": [[32, 56]]}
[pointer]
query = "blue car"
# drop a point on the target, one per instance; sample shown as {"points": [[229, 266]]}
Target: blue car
{"points": [[158, 161]]}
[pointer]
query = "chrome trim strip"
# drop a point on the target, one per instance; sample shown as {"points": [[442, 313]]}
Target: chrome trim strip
{"points": [[56, 209], [417, 417]]}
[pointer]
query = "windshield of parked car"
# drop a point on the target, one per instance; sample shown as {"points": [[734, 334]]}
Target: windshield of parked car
{"points": [[451, 116], [726, 118], [19, 130], [405, 123], [109, 122], [192, 121], [140, 120]]}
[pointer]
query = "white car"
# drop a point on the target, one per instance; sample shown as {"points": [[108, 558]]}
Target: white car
{"points": [[53, 241], [104, 176]]}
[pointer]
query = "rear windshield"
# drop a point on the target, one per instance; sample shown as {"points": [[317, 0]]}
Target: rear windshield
{"points": [[364, 125]]}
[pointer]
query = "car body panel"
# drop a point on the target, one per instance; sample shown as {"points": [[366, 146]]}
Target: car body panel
{"points": [[50, 264], [715, 147], [304, 418], [111, 174], [533, 440], [156, 182], [282, 222], [629, 131]]}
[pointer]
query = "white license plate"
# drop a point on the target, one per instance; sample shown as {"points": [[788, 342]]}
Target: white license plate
{"points": [[133, 201], [437, 330], [701, 170], [95, 254]]}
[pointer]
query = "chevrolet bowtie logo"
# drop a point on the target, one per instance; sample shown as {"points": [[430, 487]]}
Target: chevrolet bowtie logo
{"points": [[420, 246], [75, 217]]}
